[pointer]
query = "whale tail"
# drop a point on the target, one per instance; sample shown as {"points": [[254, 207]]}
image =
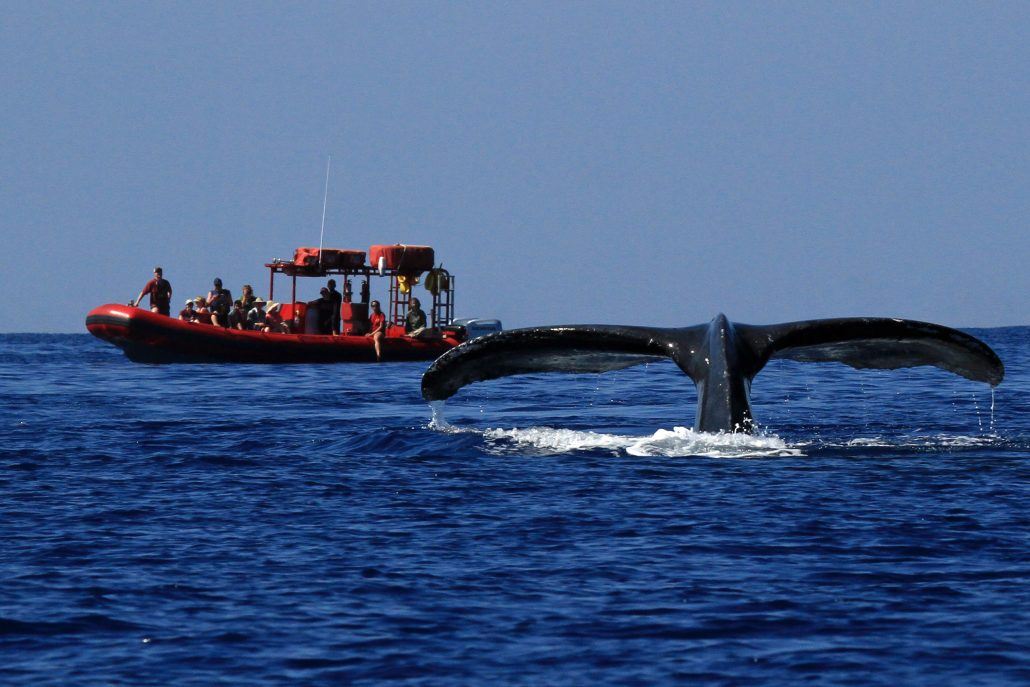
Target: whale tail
{"points": [[721, 358], [876, 343]]}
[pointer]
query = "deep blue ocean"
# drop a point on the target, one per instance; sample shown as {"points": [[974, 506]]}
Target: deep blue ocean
{"points": [[268, 525]]}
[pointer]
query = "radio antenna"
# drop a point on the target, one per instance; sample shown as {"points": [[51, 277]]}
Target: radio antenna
{"points": [[325, 201]]}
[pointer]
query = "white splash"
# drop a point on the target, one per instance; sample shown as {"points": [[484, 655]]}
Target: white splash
{"points": [[438, 421], [679, 441], [942, 441]]}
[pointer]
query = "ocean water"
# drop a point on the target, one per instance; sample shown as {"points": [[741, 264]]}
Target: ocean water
{"points": [[315, 525]]}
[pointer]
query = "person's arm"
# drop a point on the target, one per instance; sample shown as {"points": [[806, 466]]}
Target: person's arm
{"points": [[142, 293]]}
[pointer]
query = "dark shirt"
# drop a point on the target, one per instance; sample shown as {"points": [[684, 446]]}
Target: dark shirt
{"points": [[219, 298], [323, 317], [237, 318], [255, 318], [335, 301], [160, 292], [416, 319], [219, 302]]}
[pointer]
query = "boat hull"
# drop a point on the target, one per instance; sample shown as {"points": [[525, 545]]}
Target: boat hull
{"points": [[147, 337]]}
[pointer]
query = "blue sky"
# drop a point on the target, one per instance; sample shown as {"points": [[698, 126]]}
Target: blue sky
{"points": [[640, 163]]}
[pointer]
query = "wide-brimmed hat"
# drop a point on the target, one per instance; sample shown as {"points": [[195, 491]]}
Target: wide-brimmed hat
{"points": [[189, 301], [258, 300], [200, 299], [272, 305]]}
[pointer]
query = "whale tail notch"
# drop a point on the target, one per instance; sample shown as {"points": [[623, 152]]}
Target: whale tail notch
{"points": [[721, 358]]}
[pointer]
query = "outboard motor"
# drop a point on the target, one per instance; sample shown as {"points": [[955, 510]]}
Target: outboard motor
{"points": [[476, 327]]}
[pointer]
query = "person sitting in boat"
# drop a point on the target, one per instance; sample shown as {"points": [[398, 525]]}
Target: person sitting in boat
{"points": [[377, 322], [256, 315], [415, 321], [322, 311], [274, 319], [189, 313], [247, 299], [237, 315], [201, 313], [160, 291], [219, 302], [335, 301]]}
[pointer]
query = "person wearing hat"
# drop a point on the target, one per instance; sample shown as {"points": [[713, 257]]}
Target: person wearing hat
{"points": [[160, 291], [200, 310], [188, 314], [274, 318], [256, 315]]}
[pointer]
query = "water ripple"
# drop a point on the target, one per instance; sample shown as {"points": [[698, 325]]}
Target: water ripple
{"points": [[316, 524]]}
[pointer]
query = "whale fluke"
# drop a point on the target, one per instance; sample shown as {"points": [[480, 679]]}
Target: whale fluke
{"points": [[877, 343], [721, 357]]}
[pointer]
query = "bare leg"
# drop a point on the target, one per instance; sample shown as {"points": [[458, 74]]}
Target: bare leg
{"points": [[377, 340]]}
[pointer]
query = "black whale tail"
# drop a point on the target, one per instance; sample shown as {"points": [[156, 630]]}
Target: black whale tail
{"points": [[720, 357]]}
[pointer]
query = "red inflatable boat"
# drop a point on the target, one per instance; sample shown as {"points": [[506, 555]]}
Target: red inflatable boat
{"points": [[149, 337]]}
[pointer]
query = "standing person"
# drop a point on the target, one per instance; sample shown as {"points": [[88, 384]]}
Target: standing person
{"points": [[415, 320], [219, 301], [160, 292], [377, 321], [336, 301]]}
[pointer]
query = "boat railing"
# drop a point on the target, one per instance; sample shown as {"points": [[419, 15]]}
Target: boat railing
{"points": [[401, 288]]}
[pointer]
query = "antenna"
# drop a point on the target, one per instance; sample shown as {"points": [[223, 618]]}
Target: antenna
{"points": [[325, 201]]}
